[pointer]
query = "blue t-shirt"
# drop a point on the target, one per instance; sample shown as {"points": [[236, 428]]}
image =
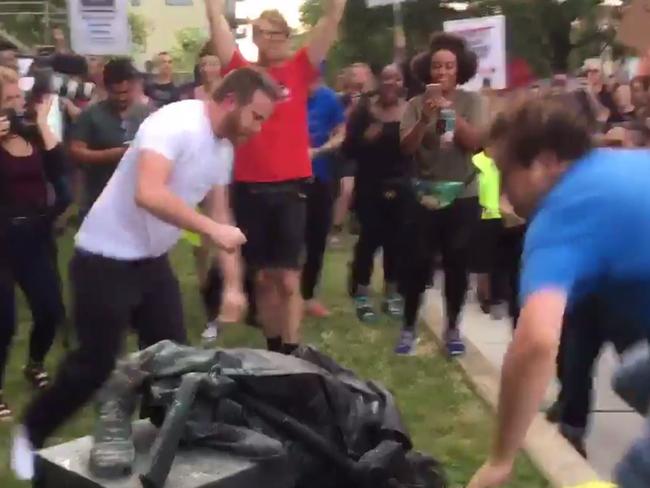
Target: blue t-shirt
{"points": [[591, 233], [326, 113]]}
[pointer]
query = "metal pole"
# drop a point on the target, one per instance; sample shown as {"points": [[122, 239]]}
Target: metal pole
{"points": [[47, 21], [398, 14]]}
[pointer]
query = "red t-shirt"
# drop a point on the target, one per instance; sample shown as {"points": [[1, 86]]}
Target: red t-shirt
{"points": [[280, 152]]}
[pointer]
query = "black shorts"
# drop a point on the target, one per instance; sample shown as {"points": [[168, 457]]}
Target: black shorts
{"points": [[272, 216], [345, 167]]}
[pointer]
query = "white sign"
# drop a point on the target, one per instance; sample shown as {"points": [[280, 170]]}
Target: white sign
{"points": [[381, 3], [99, 27], [486, 36]]}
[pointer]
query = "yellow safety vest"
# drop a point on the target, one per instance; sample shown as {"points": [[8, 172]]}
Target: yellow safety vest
{"points": [[489, 186]]}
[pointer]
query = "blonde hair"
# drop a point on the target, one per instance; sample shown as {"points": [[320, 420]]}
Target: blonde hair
{"points": [[275, 18], [7, 76]]}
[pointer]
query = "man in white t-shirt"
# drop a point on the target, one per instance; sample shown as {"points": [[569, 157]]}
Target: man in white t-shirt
{"points": [[120, 273]]}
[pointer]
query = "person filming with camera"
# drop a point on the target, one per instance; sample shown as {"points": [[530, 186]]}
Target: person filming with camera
{"points": [[30, 159]]}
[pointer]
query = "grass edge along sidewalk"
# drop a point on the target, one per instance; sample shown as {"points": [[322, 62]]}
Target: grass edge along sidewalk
{"points": [[549, 451], [444, 416]]}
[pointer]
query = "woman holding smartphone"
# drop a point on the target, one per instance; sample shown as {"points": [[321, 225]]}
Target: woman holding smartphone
{"points": [[30, 158], [440, 129]]}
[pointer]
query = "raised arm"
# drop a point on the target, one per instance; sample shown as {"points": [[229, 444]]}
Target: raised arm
{"points": [[325, 32], [222, 38]]}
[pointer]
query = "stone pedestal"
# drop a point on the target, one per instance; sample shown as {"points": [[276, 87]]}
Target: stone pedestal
{"points": [[66, 465]]}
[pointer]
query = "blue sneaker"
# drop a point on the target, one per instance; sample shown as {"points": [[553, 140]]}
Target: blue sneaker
{"points": [[454, 343], [406, 344], [365, 312]]}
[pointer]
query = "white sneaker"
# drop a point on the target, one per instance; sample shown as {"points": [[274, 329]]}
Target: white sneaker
{"points": [[211, 332], [22, 455]]}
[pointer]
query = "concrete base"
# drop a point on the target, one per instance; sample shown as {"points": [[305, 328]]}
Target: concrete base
{"points": [[67, 465]]}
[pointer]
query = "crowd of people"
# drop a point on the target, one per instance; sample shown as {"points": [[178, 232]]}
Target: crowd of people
{"points": [[261, 167]]}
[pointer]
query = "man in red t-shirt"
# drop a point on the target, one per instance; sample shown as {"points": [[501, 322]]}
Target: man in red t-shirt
{"points": [[273, 168]]}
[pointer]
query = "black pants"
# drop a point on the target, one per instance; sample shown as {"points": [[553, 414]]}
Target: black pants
{"points": [[109, 297], [504, 278], [320, 206], [447, 231], [27, 258], [587, 327], [381, 218]]}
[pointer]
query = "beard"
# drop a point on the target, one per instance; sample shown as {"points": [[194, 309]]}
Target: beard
{"points": [[233, 128]]}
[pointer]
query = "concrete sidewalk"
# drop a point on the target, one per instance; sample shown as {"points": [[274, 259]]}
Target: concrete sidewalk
{"points": [[614, 424]]}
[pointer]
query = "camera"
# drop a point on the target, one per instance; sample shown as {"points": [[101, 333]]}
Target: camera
{"points": [[48, 81], [21, 123], [62, 75]]}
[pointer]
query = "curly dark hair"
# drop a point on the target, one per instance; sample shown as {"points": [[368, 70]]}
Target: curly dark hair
{"points": [[465, 57]]}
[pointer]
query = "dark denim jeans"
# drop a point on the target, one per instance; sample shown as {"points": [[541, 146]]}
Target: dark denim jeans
{"points": [[28, 259]]}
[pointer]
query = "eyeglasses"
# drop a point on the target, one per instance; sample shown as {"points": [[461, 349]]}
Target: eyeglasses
{"points": [[272, 35]]}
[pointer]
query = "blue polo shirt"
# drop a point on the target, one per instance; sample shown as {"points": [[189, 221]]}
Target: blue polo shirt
{"points": [[326, 112], [591, 233]]}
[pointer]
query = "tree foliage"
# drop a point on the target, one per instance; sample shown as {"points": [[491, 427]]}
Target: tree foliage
{"points": [[28, 22], [185, 52], [544, 32], [140, 29]]}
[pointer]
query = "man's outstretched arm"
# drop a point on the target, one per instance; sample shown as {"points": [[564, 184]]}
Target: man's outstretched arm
{"points": [[325, 32], [527, 371], [222, 38]]}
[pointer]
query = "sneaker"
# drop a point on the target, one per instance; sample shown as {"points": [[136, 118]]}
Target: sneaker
{"points": [[36, 375], [576, 437], [22, 455], [454, 344], [365, 312], [554, 412], [499, 311], [6, 415], [406, 344], [211, 332], [316, 309], [393, 306]]}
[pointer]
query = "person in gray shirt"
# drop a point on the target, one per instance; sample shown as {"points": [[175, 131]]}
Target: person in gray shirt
{"points": [[440, 129], [102, 132]]}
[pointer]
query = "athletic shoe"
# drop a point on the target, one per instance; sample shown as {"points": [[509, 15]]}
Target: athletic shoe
{"points": [[499, 311], [365, 312], [554, 412], [454, 344], [211, 332], [316, 309], [576, 437], [22, 455], [6, 415], [36, 375], [406, 344], [393, 306]]}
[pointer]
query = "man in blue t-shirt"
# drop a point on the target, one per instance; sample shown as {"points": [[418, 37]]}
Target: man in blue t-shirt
{"points": [[326, 131], [589, 236]]}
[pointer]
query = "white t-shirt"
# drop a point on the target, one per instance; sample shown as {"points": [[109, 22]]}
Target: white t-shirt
{"points": [[116, 227]]}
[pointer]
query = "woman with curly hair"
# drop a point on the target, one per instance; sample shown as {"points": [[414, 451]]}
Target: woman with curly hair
{"points": [[440, 129]]}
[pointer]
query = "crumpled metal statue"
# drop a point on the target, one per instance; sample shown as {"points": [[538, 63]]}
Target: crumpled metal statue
{"points": [[303, 416]]}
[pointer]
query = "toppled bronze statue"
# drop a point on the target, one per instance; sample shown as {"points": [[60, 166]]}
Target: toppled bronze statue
{"points": [[302, 417]]}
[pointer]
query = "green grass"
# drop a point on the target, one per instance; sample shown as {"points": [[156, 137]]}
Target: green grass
{"points": [[445, 417]]}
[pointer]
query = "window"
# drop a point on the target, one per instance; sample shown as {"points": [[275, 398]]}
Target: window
{"points": [[178, 2]]}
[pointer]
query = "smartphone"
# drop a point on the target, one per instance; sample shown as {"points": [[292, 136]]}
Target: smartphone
{"points": [[434, 90]]}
